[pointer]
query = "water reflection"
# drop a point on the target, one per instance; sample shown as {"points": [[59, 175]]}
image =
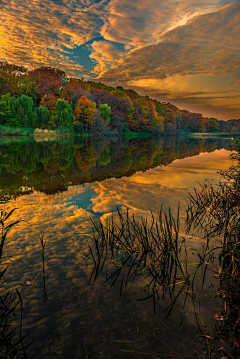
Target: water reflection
{"points": [[89, 179], [52, 167]]}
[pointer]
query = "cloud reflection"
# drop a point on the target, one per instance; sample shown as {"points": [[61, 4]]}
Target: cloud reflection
{"points": [[64, 221], [65, 215]]}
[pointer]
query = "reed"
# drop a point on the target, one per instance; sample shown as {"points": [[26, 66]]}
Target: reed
{"points": [[13, 343], [11, 339], [126, 249], [214, 208]]}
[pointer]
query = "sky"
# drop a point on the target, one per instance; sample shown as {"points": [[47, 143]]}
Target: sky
{"points": [[183, 52]]}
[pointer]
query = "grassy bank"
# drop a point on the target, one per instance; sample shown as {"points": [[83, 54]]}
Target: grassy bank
{"points": [[15, 131], [213, 134], [44, 135], [62, 131], [36, 132]]}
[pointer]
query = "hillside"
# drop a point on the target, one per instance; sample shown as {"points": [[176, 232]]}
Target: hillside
{"points": [[46, 98]]}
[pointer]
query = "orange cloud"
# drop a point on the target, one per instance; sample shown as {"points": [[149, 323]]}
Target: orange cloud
{"points": [[106, 54], [45, 32], [207, 44], [202, 55], [142, 22], [41, 32]]}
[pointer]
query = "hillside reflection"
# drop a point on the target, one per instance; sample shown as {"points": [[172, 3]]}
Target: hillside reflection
{"points": [[51, 167]]}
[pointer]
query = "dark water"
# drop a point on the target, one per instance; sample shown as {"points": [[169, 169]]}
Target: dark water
{"points": [[57, 187]]}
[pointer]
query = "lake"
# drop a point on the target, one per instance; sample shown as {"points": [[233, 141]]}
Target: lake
{"points": [[57, 188]]}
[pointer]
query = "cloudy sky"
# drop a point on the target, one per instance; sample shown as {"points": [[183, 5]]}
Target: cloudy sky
{"points": [[183, 52]]}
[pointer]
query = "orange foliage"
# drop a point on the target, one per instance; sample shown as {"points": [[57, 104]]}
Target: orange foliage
{"points": [[85, 112], [49, 101]]}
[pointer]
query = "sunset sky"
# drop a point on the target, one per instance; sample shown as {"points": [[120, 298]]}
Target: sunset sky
{"points": [[183, 52]]}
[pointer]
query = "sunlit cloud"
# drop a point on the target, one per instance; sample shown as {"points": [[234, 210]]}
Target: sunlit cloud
{"points": [[142, 22], [106, 54], [217, 95], [190, 49], [202, 55], [44, 32]]}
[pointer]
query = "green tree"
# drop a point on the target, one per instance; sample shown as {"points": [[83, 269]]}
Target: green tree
{"points": [[105, 111], [62, 116], [8, 116], [43, 115], [25, 109]]}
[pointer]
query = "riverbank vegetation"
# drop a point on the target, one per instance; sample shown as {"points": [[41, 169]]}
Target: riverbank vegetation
{"points": [[46, 98]]}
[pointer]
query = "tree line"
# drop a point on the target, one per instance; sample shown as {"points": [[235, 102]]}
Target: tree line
{"points": [[46, 98]]}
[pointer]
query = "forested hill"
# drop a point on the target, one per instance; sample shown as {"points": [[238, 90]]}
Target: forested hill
{"points": [[46, 98]]}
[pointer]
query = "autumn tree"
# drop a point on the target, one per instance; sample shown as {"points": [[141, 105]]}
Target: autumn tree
{"points": [[212, 125], [9, 76], [72, 91], [7, 82], [145, 117], [12, 68], [85, 112], [49, 101], [234, 129], [49, 80], [121, 106], [26, 86], [16, 81]]}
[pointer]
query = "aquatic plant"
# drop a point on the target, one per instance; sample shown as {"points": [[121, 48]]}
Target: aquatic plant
{"points": [[12, 342], [126, 248], [214, 208]]}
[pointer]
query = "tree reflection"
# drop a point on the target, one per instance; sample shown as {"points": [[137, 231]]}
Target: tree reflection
{"points": [[51, 166]]}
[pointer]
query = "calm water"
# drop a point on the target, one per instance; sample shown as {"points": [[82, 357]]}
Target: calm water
{"points": [[57, 187]]}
